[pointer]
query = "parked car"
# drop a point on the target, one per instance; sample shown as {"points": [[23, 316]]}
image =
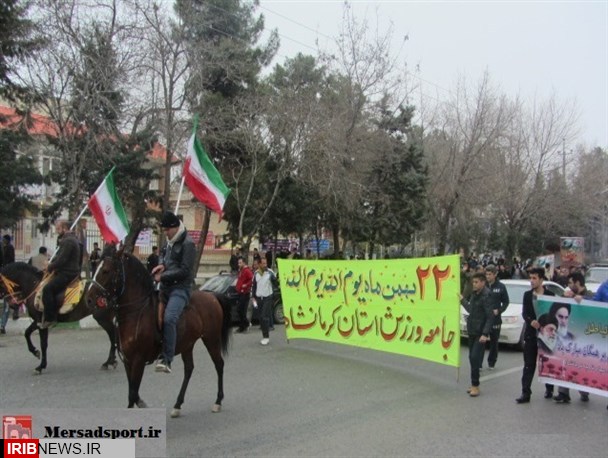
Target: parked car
{"points": [[225, 284], [595, 276], [512, 329]]}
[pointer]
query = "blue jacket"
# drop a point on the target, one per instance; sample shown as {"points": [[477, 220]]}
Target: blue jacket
{"points": [[602, 293]]}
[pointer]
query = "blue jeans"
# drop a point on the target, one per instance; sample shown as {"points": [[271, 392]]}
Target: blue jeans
{"points": [[178, 298], [5, 312]]}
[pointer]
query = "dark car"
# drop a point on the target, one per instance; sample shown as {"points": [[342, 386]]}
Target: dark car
{"points": [[225, 284]]}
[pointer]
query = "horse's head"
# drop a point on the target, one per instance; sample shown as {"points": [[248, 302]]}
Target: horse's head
{"points": [[108, 284], [120, 279]]}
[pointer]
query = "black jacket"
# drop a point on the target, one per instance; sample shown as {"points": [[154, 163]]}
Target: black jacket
{"points": [[178, 260], [67, 259], [9, 253], [529, 314], [481, 316], [500, 299]]}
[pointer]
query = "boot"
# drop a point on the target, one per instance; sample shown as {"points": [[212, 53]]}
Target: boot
{"points": [[474, 391]]}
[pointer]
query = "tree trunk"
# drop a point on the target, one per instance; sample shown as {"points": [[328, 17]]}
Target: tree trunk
{"points": [[200, 247], [336, 234]]}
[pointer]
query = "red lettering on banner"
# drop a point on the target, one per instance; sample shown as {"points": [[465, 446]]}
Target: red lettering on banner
{"points": [[20, 447]]}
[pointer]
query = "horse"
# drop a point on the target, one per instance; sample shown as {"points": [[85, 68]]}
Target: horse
{"points": [[19, 282], [124, 284]]}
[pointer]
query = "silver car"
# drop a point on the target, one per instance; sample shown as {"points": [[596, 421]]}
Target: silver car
{"points": [[512, 329]]}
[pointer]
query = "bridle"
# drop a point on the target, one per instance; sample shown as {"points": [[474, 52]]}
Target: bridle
{"points": [[114, 291]]}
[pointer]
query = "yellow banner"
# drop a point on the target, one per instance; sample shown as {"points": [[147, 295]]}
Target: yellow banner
{"points": [[405, 306]]}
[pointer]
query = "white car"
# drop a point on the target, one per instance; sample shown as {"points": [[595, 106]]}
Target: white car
{"points": [[512, 329], [595, 276]]}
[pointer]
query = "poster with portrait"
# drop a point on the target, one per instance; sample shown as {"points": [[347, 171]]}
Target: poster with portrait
{"points": [[571, 250], [573, 343]]}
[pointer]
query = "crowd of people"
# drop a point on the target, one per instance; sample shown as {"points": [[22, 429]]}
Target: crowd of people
{"points": [[484, 297]]}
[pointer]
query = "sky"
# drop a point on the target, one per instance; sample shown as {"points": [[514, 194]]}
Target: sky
{"points": [[528, 48]]}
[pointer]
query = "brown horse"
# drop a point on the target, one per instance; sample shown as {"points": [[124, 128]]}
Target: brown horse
{"points": [[123, 284], [18, 283]]}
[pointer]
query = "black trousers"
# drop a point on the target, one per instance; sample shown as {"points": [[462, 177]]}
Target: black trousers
{"points": [[476, 349], [530, 356], [493, 345], [243, 303], [56, 285]]}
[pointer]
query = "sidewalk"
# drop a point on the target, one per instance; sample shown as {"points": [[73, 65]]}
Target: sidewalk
{"points": [[18, 327]]}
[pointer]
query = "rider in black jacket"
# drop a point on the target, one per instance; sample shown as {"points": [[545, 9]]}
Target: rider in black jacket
{"points": [[65, 267], [175, 274]]}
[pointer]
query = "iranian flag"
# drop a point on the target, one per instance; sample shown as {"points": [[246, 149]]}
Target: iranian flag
{"points": [[109, 212], [202, 178]]}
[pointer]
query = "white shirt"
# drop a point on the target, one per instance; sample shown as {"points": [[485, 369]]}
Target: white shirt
{"points": [[263, 283]]}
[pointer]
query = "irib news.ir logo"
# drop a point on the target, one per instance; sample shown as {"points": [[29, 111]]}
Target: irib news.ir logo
{"points": [[17, 427]]}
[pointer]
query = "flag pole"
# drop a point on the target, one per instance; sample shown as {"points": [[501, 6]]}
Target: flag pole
{"points": [[179, 195], [181, 186]]}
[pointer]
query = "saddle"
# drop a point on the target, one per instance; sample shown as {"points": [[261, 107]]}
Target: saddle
{"points": [[68, 298]]}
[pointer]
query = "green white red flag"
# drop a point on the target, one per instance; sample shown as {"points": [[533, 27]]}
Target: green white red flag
{"points": [[202, 178], [108, 212]]}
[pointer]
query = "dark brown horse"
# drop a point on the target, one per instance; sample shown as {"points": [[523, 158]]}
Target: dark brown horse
{"points": [[123, 284], [25, 279]]}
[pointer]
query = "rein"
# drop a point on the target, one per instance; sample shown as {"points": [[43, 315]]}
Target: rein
{"points": [[117, 289], [11, 287]]}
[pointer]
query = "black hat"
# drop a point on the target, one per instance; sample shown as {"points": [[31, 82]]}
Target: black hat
{"points": [[7, 237], [169, 220]]}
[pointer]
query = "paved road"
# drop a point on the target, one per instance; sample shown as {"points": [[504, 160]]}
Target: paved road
{"points": [[307, 398]]}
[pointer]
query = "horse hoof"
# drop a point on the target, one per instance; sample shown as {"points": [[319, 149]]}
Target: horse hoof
{"points": [[176, 413], [104, 367], [216, 408], [141, 404], [37, 371], [37, 354]]}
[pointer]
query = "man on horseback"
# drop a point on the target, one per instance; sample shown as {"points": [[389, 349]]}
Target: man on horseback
{"points": [[64, 268], [175, 274]]}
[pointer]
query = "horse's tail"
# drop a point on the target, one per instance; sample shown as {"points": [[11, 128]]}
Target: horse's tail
{"points": [[227, 321]]}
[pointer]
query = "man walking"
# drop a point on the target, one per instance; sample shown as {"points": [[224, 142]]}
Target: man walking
{"points": [[262, 291], [243, 288], [175, 274], [500, 301], [479, 325], [531, 327]]}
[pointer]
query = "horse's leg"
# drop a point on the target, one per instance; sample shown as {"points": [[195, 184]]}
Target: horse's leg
{"points": [[44, 341], [188, 368], [215, 351], [28, 338], [110, 329], [135, 372]]}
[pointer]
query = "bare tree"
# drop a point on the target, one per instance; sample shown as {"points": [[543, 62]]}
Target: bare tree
{"points": [[363, 70], [472, 128], [526, 171]]}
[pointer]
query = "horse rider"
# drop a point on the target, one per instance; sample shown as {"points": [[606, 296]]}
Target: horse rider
{"points": [[65, 267], [175, 274]]}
